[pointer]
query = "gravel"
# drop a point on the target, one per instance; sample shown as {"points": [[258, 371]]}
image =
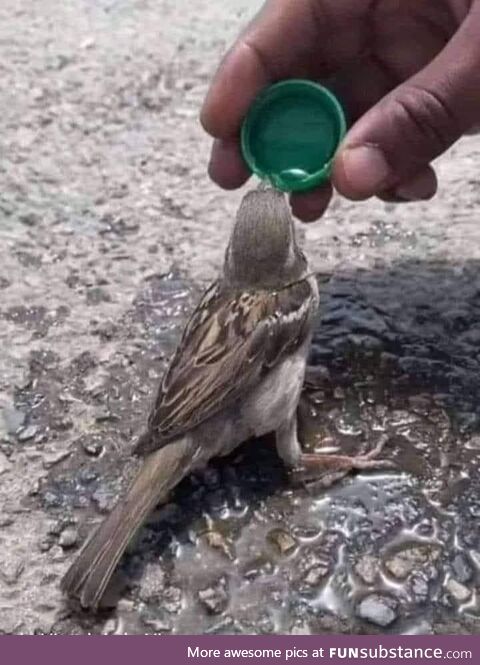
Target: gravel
{"points": [[379, 610]]}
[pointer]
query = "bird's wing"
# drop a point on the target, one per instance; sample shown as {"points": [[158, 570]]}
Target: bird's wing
{"points": [[231, 340]]}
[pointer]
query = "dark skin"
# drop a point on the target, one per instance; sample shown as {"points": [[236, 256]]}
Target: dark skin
{"points": [[407, 71]]}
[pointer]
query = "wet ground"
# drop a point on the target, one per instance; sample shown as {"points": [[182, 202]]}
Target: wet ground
{"points": [[110, 229]]}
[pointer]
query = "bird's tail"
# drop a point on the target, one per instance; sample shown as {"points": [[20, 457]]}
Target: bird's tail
{"points": [[88, 576]]}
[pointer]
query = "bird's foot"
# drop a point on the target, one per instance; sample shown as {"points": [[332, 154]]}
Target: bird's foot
{"points": [[326, 469]]}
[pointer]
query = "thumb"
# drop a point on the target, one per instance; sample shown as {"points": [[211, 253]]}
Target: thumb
{"points": [[398, 138]]}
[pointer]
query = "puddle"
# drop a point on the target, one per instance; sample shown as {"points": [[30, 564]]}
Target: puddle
{"points": [[238, 548]]}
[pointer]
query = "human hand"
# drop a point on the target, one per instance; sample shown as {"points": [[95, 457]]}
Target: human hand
{"points": [[407, 72]]}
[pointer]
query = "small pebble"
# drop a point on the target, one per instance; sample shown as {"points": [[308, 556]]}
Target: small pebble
{"points": [[459, 591], [214, 598], [87, 43], [110, 627], [27, 433], [11, 419], [104, 500], [367, 569], [93, 448], [56, 528], [462, 568], [57, 553], [378, 609], [172, 600], [315, 575], [152, 584], [45, 545], [282, 540], [419, 587], [50, 499], [157, 625], [68, 538], [411, 558], [217, 541]]}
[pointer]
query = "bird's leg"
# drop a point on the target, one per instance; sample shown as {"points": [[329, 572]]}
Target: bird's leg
{"points": [[288, 445], [328, 468], [324, 467]]}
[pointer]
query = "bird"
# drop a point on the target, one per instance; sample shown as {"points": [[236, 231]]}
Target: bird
{"points": [[236, 374]]}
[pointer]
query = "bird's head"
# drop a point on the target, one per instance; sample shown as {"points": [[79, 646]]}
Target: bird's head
{"points": [[263, 251]]}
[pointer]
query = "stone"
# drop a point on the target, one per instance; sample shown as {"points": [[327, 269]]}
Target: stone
{"points": [[214, 598], [378, 609], [11, 419], [50, 499], [315, 575], [157, 625], [104, 500], [68, 538], [55, 528], [172, 600], [92, 448], [152, 583], [61, 424], [412, 557], [110, 627], [458, 591], [87, 43], [216, 540], [461, 567], [45, 545], [367, 569], [300, 628], [27, 433], [282, 540], [419, 587]]}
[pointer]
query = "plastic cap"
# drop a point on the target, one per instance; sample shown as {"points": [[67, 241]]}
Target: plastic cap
{"points": [[291, 134]]}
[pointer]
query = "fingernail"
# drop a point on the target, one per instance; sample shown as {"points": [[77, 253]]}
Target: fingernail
{"points": [[365, 170]]}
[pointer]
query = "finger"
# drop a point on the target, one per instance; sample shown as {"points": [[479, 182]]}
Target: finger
{"points": [[286, 39], [240, 77], [310, 206], [421, 187], [226, 166], [369, 79], [416, 122], [475, 129]]}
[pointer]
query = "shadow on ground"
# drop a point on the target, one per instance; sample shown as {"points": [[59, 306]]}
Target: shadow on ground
{"points": [[396, 352]]}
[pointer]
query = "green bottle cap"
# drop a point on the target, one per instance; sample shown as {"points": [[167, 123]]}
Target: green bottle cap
{"points": [[291, 134]]}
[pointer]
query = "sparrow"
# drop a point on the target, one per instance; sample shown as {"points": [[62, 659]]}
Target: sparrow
{"points": [[237, 373]]}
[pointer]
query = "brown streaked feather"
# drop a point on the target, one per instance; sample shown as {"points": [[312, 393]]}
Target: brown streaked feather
{"points": [[228, 344]]}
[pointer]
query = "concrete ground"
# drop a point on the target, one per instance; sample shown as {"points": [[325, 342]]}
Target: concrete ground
{"points": [[109, 228]]}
